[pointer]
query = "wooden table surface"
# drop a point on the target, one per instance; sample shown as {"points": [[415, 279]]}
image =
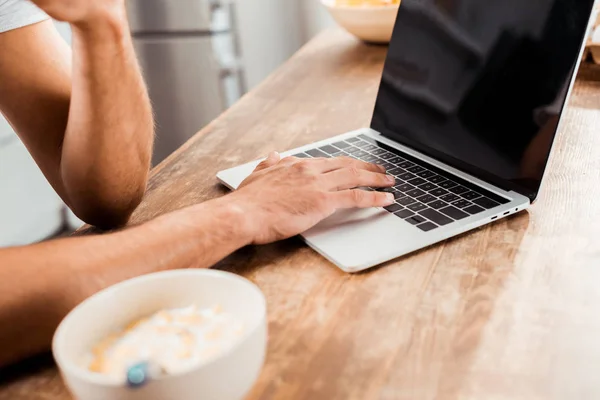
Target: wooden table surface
{"points": [[509, 311]]}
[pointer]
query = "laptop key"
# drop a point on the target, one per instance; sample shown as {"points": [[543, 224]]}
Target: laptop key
{"points": [[436, 217], [342, 145], [378, 152], [416, 169], [398, 196], [447, 184], [470, 195], [369, 148], [474, 210], [370, 159], [387, 156], [438, 192], [416, 181], [437, 204], [427, 226], [317, 153], [404, 214], [427, 198], [405, 187], [406, 176], [329, 149], [386, 164], [302, 155], [427, 186], [406, 164], [360, 154], [417, 207], [396, 171], [462, 203], [405, 200], [458, 189], [353, 139], [396, 160], [352, 150], [485, 202], [362, 144], [415, 193], [394, 208], [415, 220], [449, 197], [454, 212], [436, 179], [386, 190], [425, 174]]}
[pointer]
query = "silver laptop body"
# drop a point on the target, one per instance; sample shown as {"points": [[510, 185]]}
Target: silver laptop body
{"points": [[439, 197]]}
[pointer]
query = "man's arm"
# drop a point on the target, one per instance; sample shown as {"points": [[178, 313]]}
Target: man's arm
{"points": [[39, 284], [85, 117]]}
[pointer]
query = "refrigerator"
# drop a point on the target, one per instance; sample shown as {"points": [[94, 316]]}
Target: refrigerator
{"points": [[189, 54]]}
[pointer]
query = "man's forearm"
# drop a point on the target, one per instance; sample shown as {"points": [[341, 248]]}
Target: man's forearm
{"points": [[40, 284], [108, 141]]}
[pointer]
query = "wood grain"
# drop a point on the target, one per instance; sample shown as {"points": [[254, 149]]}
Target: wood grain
{"points": [[505, 312]]}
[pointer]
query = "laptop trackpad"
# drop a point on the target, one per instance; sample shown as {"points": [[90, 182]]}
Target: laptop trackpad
{"points": [[354, 238]]}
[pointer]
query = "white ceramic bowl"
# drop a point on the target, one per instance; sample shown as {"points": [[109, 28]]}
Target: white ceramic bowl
{"points": [[370, 23], [228, 377]]}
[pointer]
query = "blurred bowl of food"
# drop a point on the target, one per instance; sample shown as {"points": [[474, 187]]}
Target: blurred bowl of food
{"points": [[176, 335], [369, 20]]}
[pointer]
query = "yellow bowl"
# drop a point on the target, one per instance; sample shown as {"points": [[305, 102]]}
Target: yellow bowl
{"points": [[370, 23]]}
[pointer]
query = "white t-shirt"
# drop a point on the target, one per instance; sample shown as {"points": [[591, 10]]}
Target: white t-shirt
{"points": [[18, 13]]}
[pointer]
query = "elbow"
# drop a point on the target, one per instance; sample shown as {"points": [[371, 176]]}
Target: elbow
{"points": [[107, 212], [105, 218], [105, 193]]}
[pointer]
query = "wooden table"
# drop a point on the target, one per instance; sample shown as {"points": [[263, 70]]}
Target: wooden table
{"points": [[509, 311]]}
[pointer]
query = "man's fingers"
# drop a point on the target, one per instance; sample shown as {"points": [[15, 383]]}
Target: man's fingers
{"points": [[289, 160], [357, 198], [325, 165], [352, 177], [271, 160]]}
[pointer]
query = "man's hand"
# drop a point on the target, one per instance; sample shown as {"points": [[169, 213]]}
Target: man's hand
{"points": [[283, 198], [81, 11]]}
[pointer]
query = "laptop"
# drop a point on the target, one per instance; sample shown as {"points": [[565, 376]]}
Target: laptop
{"points": [[468, 107]]}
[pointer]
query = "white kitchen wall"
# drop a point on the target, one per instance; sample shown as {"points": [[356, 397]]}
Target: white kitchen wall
{"points": [[30, 210], [269, 34], [272, 30], [64, 30], [314, 18]]}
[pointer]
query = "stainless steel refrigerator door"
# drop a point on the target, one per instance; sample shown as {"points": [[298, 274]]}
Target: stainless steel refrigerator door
{"points": [[185, 84], [157, 16]]}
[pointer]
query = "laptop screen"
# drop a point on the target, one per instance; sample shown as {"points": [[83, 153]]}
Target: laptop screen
{"points": [[480, 84]]}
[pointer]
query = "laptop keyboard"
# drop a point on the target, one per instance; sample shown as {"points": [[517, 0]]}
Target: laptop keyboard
{"points": [[426, 196]]}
